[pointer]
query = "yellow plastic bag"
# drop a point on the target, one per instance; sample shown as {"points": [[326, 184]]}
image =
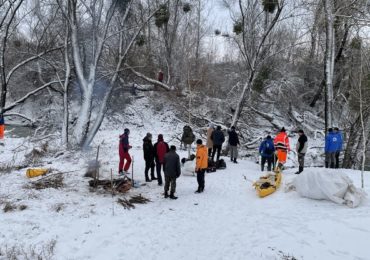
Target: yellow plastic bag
{"points": [[31, 173]]}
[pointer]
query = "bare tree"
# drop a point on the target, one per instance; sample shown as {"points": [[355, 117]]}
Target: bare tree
{"points": [[251, 46]]}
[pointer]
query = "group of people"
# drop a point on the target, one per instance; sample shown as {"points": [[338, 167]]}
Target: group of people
{"points": [[215, 140], [276, 150], [164, 158]]}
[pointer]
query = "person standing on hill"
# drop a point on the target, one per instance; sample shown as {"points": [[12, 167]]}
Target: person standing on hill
{"points": [[331, 146], [282, 147], [209, 143], [149, 154], [201, 165], [172, 170], [233, 144], [301, 149], [218, 139], [124, 147], [339, 146], [187, 138], [266, 151], [160, 76], [160, 150]]}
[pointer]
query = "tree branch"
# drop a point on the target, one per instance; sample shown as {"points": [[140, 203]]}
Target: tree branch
{"points": [[21, 100]]}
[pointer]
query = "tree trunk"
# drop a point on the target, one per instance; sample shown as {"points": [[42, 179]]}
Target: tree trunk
{"points": [[329, 60]]}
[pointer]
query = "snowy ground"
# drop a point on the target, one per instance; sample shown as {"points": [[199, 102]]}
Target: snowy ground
{"points": [[227, 221]]}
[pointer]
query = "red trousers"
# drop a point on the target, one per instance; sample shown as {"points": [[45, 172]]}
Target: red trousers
{"points": [[122, 165], [2, 130]]}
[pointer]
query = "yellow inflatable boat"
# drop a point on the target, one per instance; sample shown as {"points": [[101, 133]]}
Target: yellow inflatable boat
{"points": [[268, 184]]}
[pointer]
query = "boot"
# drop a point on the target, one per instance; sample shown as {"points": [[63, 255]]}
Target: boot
{"points": [[232, 159], [147, 178], [300, 169], [235, 160], [165, 194], [173, 197], [154, 178], [198, 190]]}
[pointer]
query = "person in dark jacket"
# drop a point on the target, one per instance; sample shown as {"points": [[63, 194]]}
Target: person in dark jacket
{"points": [[172, 170], [187, 138], [124, 147], [331, 144], [339, 146], [266, 151], [301, 149], [148, 149], [218, 139], [233, 144], [160, 150]]}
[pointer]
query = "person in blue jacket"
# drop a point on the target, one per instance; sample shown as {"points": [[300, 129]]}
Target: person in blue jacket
{"points": [[266, 151], [331, 146], [339, 146]]}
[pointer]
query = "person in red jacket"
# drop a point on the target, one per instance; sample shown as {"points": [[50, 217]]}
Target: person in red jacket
{"points": [[124, 147], [160, 76], [160, 150], [282, 147]]}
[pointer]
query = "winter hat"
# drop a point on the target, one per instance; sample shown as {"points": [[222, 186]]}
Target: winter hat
{"points": [[173, 148], [199, 141], [268, 137], [282, 129], [300, 131], [330, 130], [233, 128], [336, 128], [127, 131], [149, 135], [218, 127], [160, 137]]}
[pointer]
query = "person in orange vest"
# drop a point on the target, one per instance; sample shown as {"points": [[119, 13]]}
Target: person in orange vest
{"points": [[282, 147], [2, 127], [201, 165]]}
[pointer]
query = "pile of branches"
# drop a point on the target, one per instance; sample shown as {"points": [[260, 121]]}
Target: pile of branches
{"points": [[115, 185], [129, 203], [54, 181]]}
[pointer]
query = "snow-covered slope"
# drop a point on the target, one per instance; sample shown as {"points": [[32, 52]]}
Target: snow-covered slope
{"points": [[227, 221]]}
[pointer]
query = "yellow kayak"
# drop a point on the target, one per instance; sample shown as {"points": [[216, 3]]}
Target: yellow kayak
{"points": [[268, 184]]}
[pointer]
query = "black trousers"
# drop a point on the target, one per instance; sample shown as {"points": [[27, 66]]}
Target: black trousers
{"points": [[169, 182], [159, 168], [337, 160], [149, 165], [269, 161], [216, 148], [200, 179]]}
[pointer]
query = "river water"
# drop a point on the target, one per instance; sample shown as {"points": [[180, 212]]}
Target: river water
{"points": [[19, 131]]}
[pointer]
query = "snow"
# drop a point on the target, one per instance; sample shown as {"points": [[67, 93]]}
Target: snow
{"points": [[227, 221]]}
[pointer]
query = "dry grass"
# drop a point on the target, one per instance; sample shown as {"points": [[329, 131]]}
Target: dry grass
{"points": [[9, 207], [44, 252], [55, 181]]}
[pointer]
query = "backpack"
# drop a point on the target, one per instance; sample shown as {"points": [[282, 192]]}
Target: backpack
{"points": [[221, 164], [188, 136], [269, 148]]}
